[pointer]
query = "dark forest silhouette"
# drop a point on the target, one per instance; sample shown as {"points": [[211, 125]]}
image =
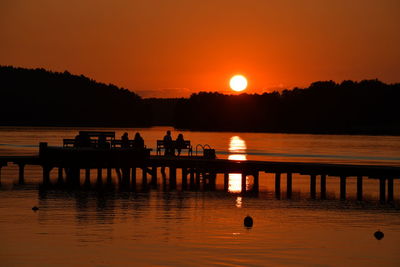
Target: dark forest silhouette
{"points": [[366, 107], [43, 98], [40, 97]]}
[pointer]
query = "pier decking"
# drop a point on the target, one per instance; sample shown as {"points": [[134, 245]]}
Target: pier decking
{"points": [[197, 168]]}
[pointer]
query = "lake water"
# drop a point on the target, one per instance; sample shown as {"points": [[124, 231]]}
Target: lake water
{"points": [[159, 227]]}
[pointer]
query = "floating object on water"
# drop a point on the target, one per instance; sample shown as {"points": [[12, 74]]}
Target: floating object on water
{"points": [[379, 235], [34, 208], [248, 221]]}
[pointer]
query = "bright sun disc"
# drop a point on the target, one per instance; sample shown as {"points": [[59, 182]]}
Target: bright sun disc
{"points": [[238, 83]]}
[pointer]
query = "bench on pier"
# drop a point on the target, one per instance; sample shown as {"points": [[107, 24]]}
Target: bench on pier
{"points": [[119, 144], [186, 145], [109, 137], [89, 156]]}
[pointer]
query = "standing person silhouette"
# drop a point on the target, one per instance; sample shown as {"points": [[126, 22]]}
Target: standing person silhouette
{"points": [[169, 149]]}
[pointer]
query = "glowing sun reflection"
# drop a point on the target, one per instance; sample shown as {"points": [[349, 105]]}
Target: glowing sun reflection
{"points": [[237, 146]]}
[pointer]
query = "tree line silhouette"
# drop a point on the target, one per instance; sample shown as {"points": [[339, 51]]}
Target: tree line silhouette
{"points": [[366, 107], [44, 98]]}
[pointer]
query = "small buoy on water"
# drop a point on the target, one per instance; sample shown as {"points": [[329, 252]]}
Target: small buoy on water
{"points": [[379, 235], [34, 208], [248, 221]]}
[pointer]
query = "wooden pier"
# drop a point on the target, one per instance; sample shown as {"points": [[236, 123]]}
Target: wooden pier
{"points": [[69, 162]]}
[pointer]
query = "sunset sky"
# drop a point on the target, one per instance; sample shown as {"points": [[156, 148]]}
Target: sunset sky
{"points": [[172, 48]]}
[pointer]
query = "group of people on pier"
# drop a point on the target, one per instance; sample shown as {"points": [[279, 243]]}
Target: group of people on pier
{"points": [[170, 146], [137, 143], [83, 140]]}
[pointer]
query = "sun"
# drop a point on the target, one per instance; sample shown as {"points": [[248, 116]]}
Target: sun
{"points": [[238, 83]]}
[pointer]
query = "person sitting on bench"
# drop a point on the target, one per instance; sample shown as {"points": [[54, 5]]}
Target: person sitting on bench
{"points": [[125, 140], [168, 145], [179, 143], [138, 142]]}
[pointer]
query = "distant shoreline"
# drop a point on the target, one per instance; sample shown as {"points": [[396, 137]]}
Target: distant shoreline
{"points": [[201, 130]]}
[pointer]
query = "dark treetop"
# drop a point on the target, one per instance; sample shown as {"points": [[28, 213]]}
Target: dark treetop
{"points": [[366, 107], [40, 97]]}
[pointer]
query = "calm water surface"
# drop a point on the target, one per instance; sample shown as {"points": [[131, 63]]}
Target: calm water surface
{"points": [[103, 226]]}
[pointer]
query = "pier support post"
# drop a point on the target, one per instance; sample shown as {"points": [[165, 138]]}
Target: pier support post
{"points": [[323, 186], [313, 185], [289, 185], [278, 185], [244, 182], [184, 178], [126, 176], [109, 175], [382, 189], [197, 179], [46, 174], [359, 188], [87, 176], [21, 176], [343, 187], [390, 189], [144, 177], [256, 184], [192, 179], [154, 176], [60, 175], [213, 181], [226, 182], [133, 178], [99, 175], [172, 177]]}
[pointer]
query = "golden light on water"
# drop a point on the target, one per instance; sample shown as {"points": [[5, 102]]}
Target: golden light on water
{"points": [[238, 83], [237, 148], [237, 145], [237, 157]]}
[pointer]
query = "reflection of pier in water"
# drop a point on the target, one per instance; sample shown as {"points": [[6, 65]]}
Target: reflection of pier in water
{"points": [[197, 172]]}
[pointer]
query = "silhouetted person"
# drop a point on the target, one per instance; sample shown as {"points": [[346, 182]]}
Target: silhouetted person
{"points": [[102, 143], [82, 140], [138, 142], [125, 140], [180, 143], [169, 149]]}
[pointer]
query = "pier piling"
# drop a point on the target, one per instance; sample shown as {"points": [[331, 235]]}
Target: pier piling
{"points": [[172, 177], [87, 176], [184, 178], [342, 187], [154, 176], [226, 182], [133, 178], [46, 174], [21, 172], [359, 188], [390, 189], [109, 175], [323, 186], [278, 185], [60, 175], [256, 182], [289, 185], [313, 183], [244, 182], [144, 177], [382, 190]]}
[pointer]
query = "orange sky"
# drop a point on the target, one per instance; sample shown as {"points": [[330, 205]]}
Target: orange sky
{"points": [[167, 48]]}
